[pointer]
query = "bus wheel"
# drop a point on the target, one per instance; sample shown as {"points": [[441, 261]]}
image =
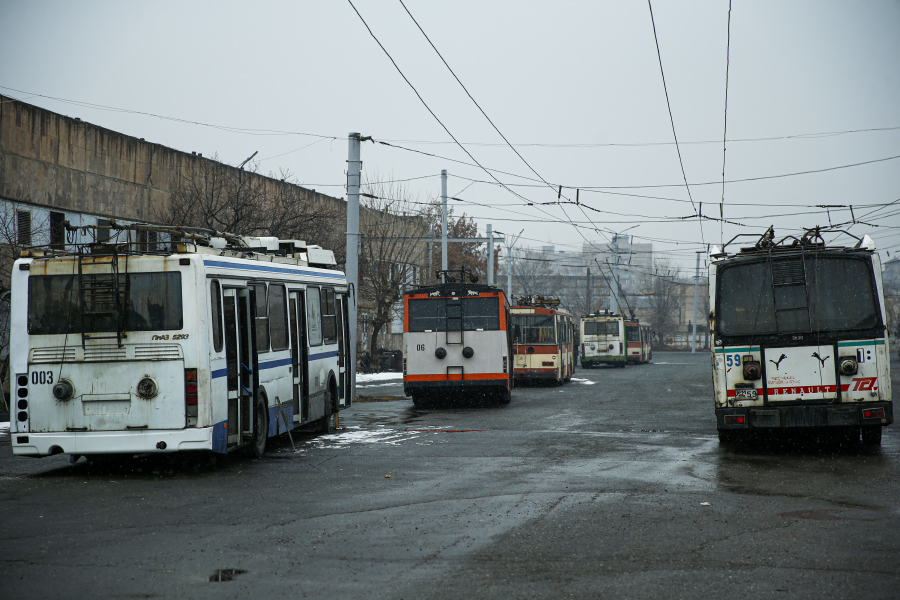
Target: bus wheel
{"points": [[418, 400], [505, 396], [260, 426], [871, 435], [327, 422]]}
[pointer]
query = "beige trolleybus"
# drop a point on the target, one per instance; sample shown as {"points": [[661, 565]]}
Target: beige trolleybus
{"points": [[799, 337]]}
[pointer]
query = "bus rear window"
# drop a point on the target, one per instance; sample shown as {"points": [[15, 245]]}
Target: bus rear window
{"points": [[430, 314], [601, 328], [796, 296], [149, 302]]}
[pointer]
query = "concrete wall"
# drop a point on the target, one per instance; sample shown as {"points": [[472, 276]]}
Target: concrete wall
{"points": [[56, 161]]}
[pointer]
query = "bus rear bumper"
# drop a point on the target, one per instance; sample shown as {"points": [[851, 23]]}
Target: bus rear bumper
{"points": [[775, 417], [535, 374], [112, 442], [454, 385]]}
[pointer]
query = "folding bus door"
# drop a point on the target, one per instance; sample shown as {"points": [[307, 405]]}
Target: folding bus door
{"points": [[344, 354], [239, 360], [299, 356]]}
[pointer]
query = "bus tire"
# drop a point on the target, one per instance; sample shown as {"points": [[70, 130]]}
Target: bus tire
{"points": [[260, 425], [326, 424], [505, 396], [871, 435]]}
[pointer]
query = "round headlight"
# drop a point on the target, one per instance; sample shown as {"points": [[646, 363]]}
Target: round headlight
{"points": [[147, 388], [63, 390], [593, 347], [468, 352], [440, 353]]}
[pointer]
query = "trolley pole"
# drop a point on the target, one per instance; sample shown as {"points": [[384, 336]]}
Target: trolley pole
{"points": [[613, 296], [694, 322], [490, 265], [444, 266], [354, 167]]}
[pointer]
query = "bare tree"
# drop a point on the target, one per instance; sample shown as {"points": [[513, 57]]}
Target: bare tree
{"points": [[660, 290], [20, 227], [389, 220]]}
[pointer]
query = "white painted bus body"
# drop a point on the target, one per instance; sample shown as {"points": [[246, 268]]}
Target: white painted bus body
{"points": [[106, 413]]}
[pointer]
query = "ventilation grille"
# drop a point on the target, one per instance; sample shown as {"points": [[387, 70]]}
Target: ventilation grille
{"points": [[157, 352], [788, 272], [104, 353], [52, 355]]}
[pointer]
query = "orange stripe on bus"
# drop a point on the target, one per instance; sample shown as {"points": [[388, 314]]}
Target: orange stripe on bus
{"points": [[456, 377]]}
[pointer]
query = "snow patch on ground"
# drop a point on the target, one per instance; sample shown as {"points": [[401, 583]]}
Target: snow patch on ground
{"points": [[391, 437], [584, 381], [367, 377], [377, 385], [4, 429]]}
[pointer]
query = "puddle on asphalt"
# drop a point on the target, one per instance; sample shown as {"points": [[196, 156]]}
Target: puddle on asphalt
{"points": [[226, 574]]}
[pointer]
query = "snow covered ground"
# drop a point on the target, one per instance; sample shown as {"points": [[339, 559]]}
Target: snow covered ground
{"points": [[377, 377]]}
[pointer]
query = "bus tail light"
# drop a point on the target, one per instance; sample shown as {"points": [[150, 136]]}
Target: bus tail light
{"points": [[504, 365], [404, 366], [873, 413], [734, 419], [190, 391]]}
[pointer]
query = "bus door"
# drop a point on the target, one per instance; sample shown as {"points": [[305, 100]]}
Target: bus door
{"points": [[299, 356], [240, 360], [343, 333]]}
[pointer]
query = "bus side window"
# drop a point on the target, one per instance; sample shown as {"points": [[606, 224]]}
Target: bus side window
{"points": [[215, 302], [314, 316], [329, 327], [262, 318], [277, 317]]}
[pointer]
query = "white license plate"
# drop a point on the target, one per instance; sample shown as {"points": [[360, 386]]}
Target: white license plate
{"points": [[749, 394]]}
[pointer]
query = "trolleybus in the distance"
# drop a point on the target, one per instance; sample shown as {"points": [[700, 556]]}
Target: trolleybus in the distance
{"points": [[214, 343], [611, 339], [456, 341], [799, 338], [544, 338]]}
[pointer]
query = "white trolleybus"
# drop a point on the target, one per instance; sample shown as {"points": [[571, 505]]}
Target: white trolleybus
{"points": [[544, 339], [799, 337], [211, 342], [456, 341], [611, 339]]}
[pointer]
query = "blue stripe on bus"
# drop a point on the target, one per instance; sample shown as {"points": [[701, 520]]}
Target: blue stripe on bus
{"points": [[282, 362], [220, 373], [228, 265], [323, 355]]}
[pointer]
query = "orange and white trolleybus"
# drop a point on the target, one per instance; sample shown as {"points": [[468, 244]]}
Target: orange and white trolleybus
{"points": [[456, 341]]}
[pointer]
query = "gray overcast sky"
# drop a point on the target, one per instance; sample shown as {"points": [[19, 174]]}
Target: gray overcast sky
{"points": [[576, 77]]}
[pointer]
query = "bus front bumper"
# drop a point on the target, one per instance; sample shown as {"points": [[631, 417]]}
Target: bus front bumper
{"points": [[114, 442], [833, 415]]}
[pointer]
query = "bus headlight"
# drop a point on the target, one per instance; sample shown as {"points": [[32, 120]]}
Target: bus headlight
{"points": [[468, 352], [849, 366], [63, 390], [752, 370], [147, 388], [440, 353]]}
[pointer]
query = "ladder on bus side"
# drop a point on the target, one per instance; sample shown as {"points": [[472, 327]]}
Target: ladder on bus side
{"points": [[100, 296]]}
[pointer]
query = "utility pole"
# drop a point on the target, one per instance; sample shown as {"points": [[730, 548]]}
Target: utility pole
{"points": [[588, 291], [354, 167], [510, 241], [444, 266], [613, 296], [490, 265], [694, 322]]}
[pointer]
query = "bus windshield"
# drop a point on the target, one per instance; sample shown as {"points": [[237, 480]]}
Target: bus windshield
{"points": [[534, 329], [431, 314], [793, 295], [150, 302], [601, 328]]}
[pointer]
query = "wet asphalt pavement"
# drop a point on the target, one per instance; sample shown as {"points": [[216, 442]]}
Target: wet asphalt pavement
{"points": [[593, 490]]}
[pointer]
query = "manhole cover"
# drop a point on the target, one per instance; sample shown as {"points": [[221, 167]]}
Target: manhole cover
{"points": [[226, 574]]}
